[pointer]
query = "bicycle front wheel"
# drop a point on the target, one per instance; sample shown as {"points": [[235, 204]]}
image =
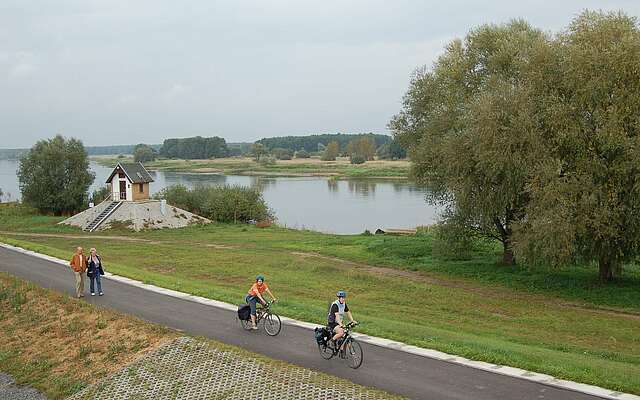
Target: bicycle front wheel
{"points": [[353, 353], [272, 324]]}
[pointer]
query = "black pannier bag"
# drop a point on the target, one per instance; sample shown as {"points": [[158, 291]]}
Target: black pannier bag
{"points": [[322, 335], [244, 312]]}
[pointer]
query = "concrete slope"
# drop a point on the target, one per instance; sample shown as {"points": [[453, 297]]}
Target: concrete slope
{"points": [[391, 370]]}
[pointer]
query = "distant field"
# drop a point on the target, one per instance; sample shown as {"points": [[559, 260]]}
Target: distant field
{"points": [[296, 167], [557, 321]]}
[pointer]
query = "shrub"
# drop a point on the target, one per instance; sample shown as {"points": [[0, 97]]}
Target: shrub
{"points": [[99, 195], [302, 154], [219, 203], [266, 161], [282, 154], [357, 159], [452, 242]]}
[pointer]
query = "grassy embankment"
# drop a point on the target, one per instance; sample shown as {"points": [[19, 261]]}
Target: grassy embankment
{"points": [[340, 168], [60, 345], [557, 321]]}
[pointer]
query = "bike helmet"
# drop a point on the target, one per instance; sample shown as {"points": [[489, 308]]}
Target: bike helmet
{"points": [[260, 278], [341, 293]]}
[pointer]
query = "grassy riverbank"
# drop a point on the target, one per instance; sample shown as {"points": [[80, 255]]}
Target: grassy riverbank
{"points": [[296, 167], [557, 321]]}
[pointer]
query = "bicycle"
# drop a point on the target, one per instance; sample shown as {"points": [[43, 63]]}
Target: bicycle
{"points": [[348, 348], [270, 321]]}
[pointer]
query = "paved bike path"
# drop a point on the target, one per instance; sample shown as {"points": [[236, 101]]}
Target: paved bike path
{"points": [[395, 371]]}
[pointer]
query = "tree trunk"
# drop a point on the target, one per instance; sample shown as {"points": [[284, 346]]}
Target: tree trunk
{"points": [[606, 270], [508, 258]]}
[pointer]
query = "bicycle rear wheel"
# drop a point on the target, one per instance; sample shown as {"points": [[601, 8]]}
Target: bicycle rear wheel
{"points": [[272, 324], [326, 351], [246, 324], [353, 353]]}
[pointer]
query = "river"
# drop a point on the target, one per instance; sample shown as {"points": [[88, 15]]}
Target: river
{"points": [[342, 206]]}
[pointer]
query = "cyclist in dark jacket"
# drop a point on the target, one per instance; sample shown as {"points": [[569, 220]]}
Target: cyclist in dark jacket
{"points": [[337, 310]]}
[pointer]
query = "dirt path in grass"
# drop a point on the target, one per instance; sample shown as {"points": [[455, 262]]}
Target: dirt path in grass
{"points": [[117, 238]]}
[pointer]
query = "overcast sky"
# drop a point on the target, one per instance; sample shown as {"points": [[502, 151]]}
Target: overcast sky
{"points": [[129, 71]]}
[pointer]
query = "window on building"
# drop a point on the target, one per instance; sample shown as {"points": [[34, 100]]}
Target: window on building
{"points": [[141, 187]]}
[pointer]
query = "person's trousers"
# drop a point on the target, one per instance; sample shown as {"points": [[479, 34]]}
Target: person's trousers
{"points": [[79, 283], [96, 278], [252, 301]]}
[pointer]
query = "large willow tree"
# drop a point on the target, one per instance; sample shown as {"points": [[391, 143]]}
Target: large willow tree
{"points": [[534, 140], [472, 128], [585, 198]]}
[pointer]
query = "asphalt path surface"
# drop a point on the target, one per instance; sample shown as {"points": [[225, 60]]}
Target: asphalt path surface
{"points": [[391, 370]]}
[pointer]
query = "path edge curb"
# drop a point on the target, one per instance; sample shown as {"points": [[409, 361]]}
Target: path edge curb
{"points": [[376, 341]]}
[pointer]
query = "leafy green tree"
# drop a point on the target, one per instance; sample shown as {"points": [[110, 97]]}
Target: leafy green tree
{"points": [[585, 199], [144, 153], [331, 151], [1, 195], [54, 176], [471, 127], [258, 150], [391, 151], [364, 147]]}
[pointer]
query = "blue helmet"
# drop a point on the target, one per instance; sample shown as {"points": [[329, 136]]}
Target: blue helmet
{"points": [[260, 278], [341, 293]]}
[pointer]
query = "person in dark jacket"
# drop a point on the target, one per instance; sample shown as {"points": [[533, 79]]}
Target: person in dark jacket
{"points": [[94, 271]]}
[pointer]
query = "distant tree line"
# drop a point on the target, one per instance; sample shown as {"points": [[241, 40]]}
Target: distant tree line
{"points": [[116, 149], [311, 143], [15, 154], [197, 147]]}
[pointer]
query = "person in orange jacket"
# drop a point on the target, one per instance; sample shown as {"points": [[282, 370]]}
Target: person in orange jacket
{"points": [[78, 264]]}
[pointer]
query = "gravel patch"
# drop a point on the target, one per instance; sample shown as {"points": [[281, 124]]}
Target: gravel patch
{"points": [[10, 391]]}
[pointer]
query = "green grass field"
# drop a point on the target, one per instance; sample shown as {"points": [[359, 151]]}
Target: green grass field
{"points": [[557, 321], [295, 167]]}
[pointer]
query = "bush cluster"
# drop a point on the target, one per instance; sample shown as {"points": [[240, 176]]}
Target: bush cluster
{"points": [[219, 203]]}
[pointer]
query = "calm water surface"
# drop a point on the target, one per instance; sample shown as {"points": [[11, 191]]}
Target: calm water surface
{"points": [[318, 203]]}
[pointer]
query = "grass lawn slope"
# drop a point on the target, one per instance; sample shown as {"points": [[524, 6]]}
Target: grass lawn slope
{"points": [[556, 321]]}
